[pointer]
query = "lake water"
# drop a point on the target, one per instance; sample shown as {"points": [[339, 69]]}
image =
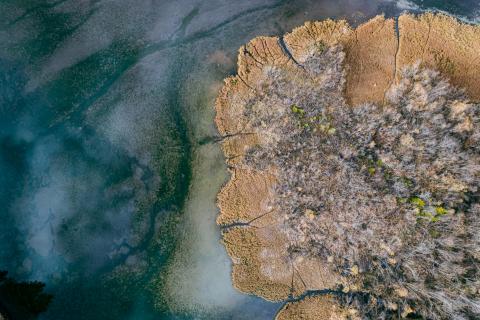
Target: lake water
{"points": [[108, 178]]}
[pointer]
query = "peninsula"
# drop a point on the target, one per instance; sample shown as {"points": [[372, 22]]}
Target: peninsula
{"points": [[354, 156]]}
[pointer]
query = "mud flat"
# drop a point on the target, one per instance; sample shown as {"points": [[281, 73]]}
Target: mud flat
{"points": [[375, 53]]}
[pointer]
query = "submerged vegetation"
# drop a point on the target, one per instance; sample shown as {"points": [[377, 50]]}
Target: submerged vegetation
{"points": [[386, 195]]}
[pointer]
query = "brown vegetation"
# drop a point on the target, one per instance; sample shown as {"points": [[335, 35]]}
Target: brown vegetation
{"points": [[379, 202]]}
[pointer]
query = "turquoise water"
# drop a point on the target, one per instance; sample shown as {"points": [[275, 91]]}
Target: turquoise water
{"points": [[107, 193]]}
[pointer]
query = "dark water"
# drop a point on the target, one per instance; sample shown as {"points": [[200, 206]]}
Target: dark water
{"points": [[104, 186]]}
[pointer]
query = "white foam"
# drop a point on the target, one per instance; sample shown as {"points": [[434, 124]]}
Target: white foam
{"points": [[406, 5]]}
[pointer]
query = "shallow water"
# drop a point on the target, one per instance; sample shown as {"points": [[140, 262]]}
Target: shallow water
{"points": [[108, 180]]}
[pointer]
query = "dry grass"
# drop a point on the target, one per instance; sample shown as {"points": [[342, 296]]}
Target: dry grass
{"points": [[388, 195]]}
